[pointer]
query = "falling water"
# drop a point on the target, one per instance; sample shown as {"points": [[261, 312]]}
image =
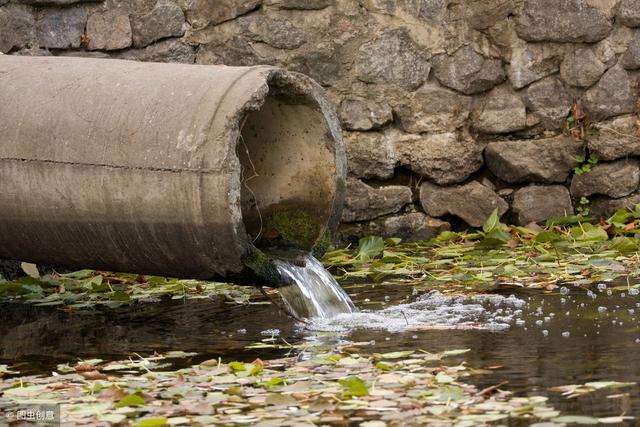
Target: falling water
{"points": [[311, 291]]}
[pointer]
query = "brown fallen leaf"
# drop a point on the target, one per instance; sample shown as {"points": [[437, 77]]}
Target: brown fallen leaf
{"points": [[93, 375], [84, 367]]}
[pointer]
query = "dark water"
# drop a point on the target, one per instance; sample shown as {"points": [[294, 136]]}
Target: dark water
{"points": [[583, 342]]}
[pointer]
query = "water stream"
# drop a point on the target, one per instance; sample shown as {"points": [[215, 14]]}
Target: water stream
{"points": [[310, 291]]}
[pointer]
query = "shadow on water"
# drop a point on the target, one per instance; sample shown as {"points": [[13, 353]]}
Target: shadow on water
{"points": [[587, 339], [210, 327]]}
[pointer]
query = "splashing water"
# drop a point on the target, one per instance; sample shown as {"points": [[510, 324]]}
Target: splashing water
{"points": [[432, 311], [311, 291]]}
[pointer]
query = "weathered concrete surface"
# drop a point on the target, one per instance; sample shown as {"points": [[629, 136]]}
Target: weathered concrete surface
{"points": [[121, 176]]}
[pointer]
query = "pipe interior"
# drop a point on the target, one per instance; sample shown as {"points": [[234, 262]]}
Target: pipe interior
{"points": [[288, 171]]}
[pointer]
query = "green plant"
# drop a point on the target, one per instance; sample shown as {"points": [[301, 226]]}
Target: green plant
{"points": [[583, 207], [494, 233], [584, 165]]}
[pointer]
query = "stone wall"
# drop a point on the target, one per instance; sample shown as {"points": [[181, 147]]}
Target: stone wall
{"points": [[451, 108]]}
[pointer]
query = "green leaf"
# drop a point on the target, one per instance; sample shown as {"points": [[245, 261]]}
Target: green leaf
{"points": [[547, 236], [589, 232], [354, 387], [624, 244], [120, 296], [495, 238], [620, 218], [237, 366], [392, 241], [81, 274], [152, 422], [370, 247], [273, 382], [446, 236], [397, 354], [491, 222], [566, 220], [383, 366], [130, 400], [443, 378]]}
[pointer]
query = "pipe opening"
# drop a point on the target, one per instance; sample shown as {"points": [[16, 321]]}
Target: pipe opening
{"points": [[288, 171]]}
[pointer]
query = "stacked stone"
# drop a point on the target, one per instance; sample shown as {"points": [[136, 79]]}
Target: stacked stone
{"points": [[450, 109]]}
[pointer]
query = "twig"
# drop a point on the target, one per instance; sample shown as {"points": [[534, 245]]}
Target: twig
{"points": [[491, 389]]}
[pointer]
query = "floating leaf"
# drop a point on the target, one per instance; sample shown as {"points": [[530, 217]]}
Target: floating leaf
{"points": [[130, 400], [354, 387], [575, 419], [152, 422]]}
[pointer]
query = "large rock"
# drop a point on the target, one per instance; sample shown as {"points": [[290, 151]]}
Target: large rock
{"points": [[537, 203], [165, 19], [566, 20], [236, 51], [109, 30], [276, 32], [364, 114], [549, 101], [364, 202], [605, 207], [410, 227], [467, 71], [500, 111], [612, 96], [631, 58], [616, 179], [17, 28], [615, 138], [201, 13], [392, 58], [324, 67], [443, 158], [163, 51], [581, 68], [413, 227], [482, 14], [61, 28], [629, 13], [547, 160], [370, 155], [432, 108], [532, 61], [472, 202]]}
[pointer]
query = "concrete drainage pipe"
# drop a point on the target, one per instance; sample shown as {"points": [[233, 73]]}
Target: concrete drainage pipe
{"points": [[170, 169]]}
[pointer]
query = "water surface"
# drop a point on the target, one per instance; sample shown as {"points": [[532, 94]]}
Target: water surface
{"points": [[590, 336]]}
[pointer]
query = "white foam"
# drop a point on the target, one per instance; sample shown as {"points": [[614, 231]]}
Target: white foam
{"points": [[431, 311]]}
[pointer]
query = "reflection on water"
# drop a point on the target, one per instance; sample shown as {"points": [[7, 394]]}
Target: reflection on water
{"points": [[567, 337]]}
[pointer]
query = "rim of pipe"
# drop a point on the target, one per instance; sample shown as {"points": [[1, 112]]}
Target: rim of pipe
{"points": [[318, 136]]}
